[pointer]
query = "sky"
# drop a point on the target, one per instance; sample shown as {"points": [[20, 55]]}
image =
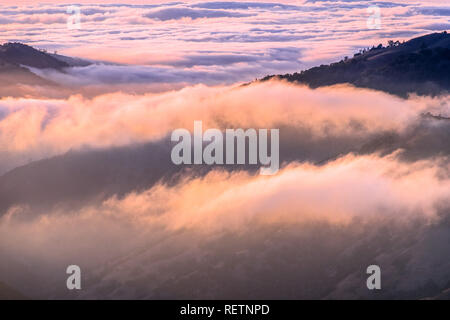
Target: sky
{"points": [[214, 42]]}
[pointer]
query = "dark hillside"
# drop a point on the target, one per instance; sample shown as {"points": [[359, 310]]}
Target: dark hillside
{"points": [[420, 65]]}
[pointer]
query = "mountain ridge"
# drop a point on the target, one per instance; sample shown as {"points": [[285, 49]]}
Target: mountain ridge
{"points": [[16, 53], [420, 65], [16, 57]]}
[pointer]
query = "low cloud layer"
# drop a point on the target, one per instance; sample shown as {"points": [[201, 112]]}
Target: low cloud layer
{"points": [[364, 179], [32, 129], [204, 224]]}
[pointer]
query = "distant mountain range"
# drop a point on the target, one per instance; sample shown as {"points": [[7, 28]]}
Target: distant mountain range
{"points": [[420, 65]]}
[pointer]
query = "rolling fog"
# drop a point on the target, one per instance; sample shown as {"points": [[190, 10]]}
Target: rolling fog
{"points": [[364, 179]]}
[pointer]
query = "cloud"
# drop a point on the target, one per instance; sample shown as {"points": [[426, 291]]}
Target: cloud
{"points": [[230, 5], [130, 133], [218, 223], [137, 118], [250, 38], [207, 67], [437, 26], [214, 59], [104, 194], [176, 25], [272, 55], [432, 11], [113, 74], [179, 13]]}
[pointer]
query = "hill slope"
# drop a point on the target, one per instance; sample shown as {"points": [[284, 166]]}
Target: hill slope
{"points": [[21, 54], [15, 57], [420, 65]]}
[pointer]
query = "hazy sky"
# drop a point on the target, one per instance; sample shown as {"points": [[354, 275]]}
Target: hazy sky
{"points": [[216, 42]]}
